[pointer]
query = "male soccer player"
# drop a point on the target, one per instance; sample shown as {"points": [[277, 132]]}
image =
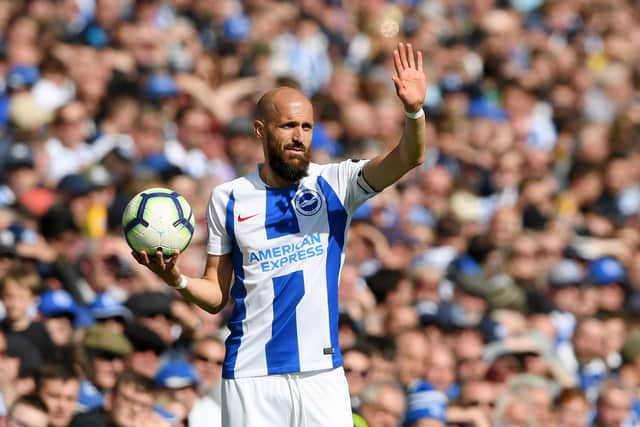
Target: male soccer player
{"points": [[278, 234]]}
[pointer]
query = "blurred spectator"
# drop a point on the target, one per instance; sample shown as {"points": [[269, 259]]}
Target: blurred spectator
{"points": [[128, 404], [207, 356], [60, 316], [19, 289], [382, 404], [572, 408], [28, 410], [101, 357], [357, 365], [181, 381], [58, 387], [148, 347]]}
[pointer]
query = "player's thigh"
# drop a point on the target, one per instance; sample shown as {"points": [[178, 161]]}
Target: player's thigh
{"points": [[325, 400], [249, 402]]}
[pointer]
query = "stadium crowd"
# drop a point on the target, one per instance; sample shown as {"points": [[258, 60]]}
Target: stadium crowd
{"points": [[496, 285]]}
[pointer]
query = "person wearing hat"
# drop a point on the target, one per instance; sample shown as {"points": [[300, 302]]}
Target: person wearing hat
{"points": [[58, 311], [153, 310], [101, 357], [19, 173], [608, 276], [180, 380], [148, 348], [564, 280], [110, 312]]}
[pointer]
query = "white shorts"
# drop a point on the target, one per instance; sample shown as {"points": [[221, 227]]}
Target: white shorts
{"points": [[308, 399]]}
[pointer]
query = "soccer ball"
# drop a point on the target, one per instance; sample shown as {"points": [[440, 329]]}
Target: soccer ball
{"points": [[158, 219]]}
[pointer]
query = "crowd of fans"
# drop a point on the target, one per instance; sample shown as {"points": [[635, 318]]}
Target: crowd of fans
{"points": [[496, 285]]}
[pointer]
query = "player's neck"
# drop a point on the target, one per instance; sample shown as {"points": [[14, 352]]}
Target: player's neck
{"points": [[272, 179]]}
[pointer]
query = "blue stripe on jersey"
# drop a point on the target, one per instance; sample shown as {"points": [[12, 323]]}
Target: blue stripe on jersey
{"points": [[280, 219], [238, 293], [282, 349], [337, 216]]}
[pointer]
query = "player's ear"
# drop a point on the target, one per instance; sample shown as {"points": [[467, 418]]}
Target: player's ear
{"points": [[258, 127]]}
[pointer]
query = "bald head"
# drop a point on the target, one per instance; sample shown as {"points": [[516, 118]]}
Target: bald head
{"points": [[273, 102]]}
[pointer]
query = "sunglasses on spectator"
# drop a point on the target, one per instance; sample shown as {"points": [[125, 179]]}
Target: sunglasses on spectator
{"points": [[490, 403], [204, 358]]}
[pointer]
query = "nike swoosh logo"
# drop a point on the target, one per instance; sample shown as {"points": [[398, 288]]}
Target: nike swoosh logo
{"points": [[244, 218]]}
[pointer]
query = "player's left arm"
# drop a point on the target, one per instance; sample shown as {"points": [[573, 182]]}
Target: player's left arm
{"points": [[411, 86]]}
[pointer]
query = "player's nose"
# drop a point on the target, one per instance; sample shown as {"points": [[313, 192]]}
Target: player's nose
{"points": [[297, 134]]}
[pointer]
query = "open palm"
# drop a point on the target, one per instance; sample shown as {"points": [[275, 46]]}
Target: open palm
{"points": [[410, 81]]}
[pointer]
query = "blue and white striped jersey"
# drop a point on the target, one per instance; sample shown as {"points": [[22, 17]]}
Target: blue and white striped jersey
{"points": [[287, 250]]}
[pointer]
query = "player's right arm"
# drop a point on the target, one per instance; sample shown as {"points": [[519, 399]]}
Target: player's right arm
{"points": [[210, 292]]}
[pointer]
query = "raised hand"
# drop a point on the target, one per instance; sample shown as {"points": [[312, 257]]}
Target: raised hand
{"points": [[410, 81]]}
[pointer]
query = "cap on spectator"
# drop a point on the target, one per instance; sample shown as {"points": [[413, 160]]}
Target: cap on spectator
{"points": [[101, 338], [466, 206], [239, 126], [7, 243], [19, 156], [57, 302], [156, 163], [161, 85], [177, 374], [606, 270], [27, 352], [236, 28], [425, 402], [105, 306], [22, 76], [465, 264], [565, 272], [149, 303], [631, 347], [482, 109], [37, 200], [26, 114], [472, 284], [505, 294], [75, 185], [143, 338], [83, 318], [451, 317]]}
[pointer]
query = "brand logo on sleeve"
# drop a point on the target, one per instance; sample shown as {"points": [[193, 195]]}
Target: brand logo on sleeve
{"points": [[307, 202]]}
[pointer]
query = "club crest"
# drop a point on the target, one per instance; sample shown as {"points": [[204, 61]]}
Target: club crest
{"points": [[307, 202]]}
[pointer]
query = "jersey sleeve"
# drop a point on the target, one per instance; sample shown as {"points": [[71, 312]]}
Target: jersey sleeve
{"points": [[353, 189], [219, 242]]}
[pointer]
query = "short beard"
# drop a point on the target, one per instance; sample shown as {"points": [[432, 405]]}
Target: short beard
{"points": [[286, 171]]}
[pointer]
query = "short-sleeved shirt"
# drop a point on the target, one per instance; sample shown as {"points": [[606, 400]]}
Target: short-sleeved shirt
{"points": [[286, 246]]}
